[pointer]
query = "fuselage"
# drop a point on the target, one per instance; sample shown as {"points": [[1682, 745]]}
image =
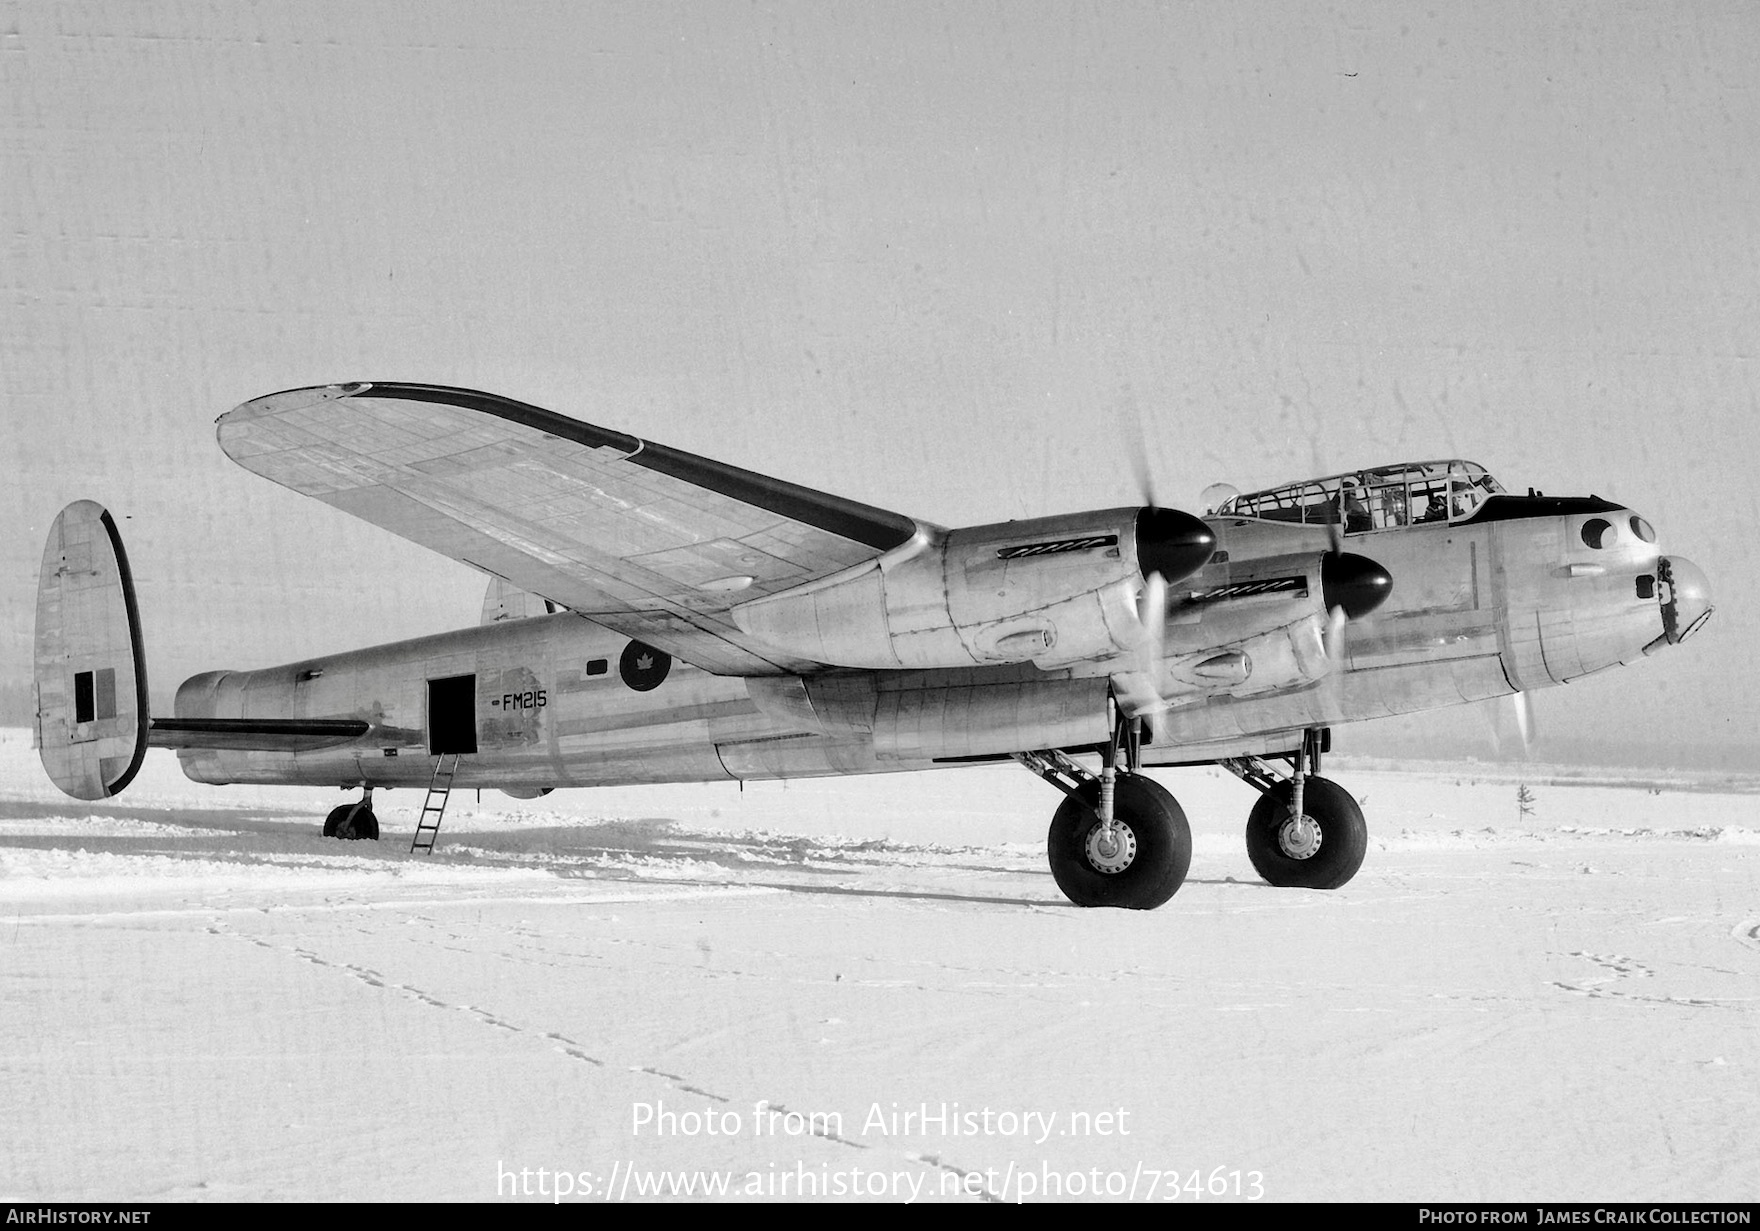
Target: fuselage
{"points": [[1528, 593], [1525, 593]]}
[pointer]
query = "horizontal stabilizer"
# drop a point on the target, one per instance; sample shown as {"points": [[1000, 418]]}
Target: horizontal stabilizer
{"points": [[91, 672], [255, 734]]}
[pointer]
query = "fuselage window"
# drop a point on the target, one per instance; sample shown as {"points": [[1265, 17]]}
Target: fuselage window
{"points": [[598, 666]]}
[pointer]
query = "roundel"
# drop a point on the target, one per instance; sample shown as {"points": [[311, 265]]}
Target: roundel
{"points": [[642, 666]]}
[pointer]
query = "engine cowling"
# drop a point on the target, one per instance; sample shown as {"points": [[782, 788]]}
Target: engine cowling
{"points": [[1049, 591]]}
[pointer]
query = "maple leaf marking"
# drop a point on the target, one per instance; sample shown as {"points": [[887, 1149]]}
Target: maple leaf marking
{"points": [[644, 662]]}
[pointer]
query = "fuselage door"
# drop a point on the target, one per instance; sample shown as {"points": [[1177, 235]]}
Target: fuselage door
{"points": [[452, 715]]}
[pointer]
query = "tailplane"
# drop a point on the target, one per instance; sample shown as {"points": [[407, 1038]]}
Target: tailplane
{"points": [[91, 672]]}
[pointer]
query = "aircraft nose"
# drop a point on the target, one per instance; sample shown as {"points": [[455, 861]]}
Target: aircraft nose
{"points": [[1686, 598]]}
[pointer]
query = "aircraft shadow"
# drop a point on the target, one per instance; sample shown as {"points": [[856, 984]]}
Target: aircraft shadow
{"points": [[595, 850]]}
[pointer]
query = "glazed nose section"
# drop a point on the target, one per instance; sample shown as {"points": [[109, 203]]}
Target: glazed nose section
{"points": [[1685, 592]]}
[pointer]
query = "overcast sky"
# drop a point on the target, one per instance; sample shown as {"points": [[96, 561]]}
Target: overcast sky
{"points": [[929, 256]]}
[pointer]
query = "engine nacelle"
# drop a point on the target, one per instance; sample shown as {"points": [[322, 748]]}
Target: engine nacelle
{"points": [[1255, 619], [919, 717], [1049, 591]]}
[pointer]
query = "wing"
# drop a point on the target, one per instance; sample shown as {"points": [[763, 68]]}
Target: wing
{"points": [[652, 542]]}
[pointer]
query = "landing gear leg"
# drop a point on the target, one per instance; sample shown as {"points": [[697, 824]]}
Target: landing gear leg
{"points": [[1107, 837], [354, 820], [1306, 831], [1119, 839]]}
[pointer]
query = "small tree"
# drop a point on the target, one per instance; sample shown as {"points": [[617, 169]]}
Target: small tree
{"points": [[1524, 802]]}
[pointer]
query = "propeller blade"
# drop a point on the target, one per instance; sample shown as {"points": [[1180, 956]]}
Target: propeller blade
{"points": [[1336, 619], [1136, 441], [1152, 611], [1524, 715], [1152, 650], [1145, 480], [1511, 726]]}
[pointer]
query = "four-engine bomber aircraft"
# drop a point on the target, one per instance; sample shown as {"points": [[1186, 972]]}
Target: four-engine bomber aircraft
{"points": [[659, 617]]}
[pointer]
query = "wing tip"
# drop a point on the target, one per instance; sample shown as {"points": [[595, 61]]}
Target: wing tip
{"points": [[273, 403]]}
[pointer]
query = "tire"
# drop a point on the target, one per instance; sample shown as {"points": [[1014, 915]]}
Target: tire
{"points": [[365, 824], [1344, 838], [1156, 826]]}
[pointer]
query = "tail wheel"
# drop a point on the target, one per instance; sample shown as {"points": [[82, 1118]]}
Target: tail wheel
{"points": [[1145, 863], [1321, 849], [352, 821]]}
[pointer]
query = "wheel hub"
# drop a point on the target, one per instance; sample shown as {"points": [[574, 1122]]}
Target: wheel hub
{"points": [[1114, 855], [1299, 837]]}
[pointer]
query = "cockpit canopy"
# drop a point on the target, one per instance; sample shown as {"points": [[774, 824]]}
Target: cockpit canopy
{"points": [[1381, 498]]}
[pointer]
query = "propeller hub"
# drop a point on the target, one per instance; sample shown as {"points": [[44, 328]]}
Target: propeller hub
{"points": [[1354, 583], [1172, 543]]}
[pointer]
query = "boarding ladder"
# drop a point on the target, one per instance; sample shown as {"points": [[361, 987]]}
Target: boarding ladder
{"points": [[434, 807]]}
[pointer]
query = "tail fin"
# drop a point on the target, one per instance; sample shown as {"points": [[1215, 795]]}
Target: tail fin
{"points": [[506, 601], [91, 672]]}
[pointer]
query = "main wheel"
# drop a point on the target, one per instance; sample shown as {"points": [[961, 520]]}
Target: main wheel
{"points": [[1323, 853], [1146, 863], [363, 825]]}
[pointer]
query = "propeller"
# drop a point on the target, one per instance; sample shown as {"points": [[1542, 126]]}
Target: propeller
{"points": [[1170, 545], [1519, 716], [1336, 616], [1524, 708], [1333, 636], [1351, 586], [1152, 650], [1136, 442]]}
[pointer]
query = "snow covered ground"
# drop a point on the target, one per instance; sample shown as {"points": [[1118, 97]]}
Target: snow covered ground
{"points": [[872, 986]]}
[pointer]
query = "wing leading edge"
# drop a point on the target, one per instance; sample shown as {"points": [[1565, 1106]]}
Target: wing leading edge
{"points": [[650, 541]]}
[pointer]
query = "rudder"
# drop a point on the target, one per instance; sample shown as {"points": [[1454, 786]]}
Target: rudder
{"points": [[91, 672]]}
